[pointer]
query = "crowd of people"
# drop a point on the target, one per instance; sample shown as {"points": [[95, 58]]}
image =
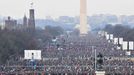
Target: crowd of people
{"points": [[75, 54]]}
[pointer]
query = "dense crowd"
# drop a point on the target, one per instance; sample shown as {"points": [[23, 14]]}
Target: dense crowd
{"points": [[74, 54]]}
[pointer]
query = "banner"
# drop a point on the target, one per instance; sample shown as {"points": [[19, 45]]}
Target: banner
{"points": [[125, 45], [120, 41], [111, 36], [107, 37], [131, 45], [115, 40]]}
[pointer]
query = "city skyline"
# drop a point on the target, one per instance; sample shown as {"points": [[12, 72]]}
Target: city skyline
{"points": [[55, 8]]}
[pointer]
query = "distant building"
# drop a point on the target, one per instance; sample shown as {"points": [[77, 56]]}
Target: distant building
{"points": [[31, 21], [2, 26], [28, 23], [25, 22], [20, 27], [10, 24]]}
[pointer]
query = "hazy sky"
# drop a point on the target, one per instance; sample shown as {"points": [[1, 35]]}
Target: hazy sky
{"points": [[55, 8]]}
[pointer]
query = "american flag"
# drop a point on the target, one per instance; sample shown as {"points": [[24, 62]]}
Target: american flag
{"points": [[31, 4]]}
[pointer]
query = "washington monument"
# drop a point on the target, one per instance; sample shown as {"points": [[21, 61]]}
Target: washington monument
{"points": [[83, 17]]}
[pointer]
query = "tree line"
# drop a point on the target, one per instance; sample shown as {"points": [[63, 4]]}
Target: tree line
{"points": [[121, 31], [14, 42]]}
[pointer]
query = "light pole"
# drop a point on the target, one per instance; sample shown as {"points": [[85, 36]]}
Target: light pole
{"points": [[95, 59]]}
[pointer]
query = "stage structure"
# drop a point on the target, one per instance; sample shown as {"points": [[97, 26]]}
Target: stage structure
{"points": [[32, 54]]}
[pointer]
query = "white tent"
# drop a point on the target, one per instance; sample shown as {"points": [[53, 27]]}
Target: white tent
{"points": [[32, 54]]}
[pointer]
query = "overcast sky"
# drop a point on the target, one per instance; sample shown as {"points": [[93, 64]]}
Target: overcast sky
{"points": [[55, 8]]}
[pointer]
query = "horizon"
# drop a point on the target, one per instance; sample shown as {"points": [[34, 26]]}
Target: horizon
{"points": [[58, 8], [54, 18]]}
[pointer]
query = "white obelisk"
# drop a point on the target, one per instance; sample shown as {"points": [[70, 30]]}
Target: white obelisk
{"points": [[83, 17]]}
